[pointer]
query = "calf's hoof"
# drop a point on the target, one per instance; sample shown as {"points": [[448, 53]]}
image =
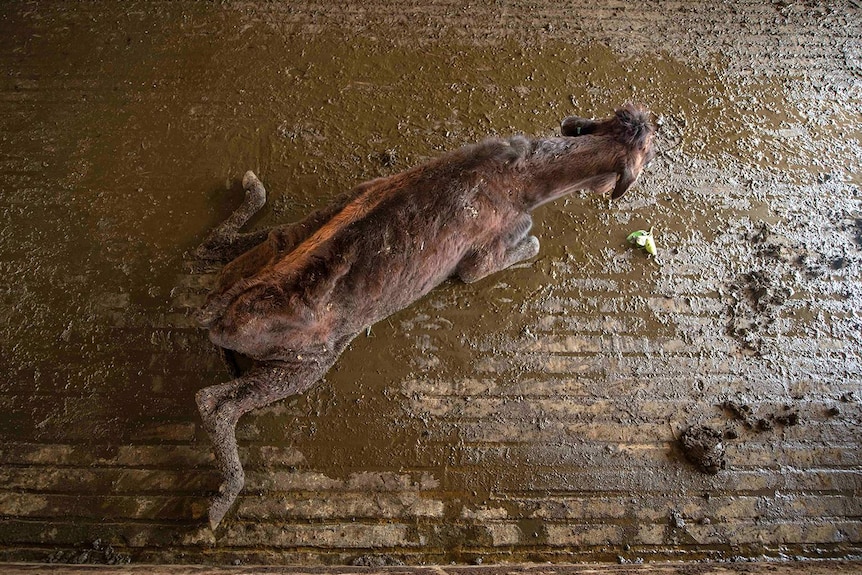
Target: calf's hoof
{"points": [[254, 189], [222, 503], [527, 248]]}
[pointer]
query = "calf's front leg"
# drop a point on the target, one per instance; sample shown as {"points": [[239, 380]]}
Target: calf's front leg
{"points": [[511, 247]]}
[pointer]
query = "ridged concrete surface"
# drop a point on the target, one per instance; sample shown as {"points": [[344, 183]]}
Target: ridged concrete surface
{"points": [[535, 416]]}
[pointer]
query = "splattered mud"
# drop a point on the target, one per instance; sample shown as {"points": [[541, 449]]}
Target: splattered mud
{"points": [[704, 447], [788, 415], [532, 416], [96, 553], [757, 300]]}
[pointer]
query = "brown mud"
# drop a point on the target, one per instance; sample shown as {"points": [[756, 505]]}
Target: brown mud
{"points": [[532, 416], [704, 447]]}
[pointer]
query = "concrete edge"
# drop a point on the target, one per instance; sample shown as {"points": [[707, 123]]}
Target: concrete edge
{"points": [[814, 567]]}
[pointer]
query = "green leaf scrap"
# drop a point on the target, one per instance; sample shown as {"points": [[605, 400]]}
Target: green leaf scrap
{"points": [[644, 240]]}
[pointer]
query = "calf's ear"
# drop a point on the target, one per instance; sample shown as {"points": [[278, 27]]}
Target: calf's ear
{"points": [[577, 126], [626, 178]]}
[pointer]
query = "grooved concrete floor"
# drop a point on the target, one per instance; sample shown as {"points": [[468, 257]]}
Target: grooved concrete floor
{"points": [[534, 416], [789, 568]]}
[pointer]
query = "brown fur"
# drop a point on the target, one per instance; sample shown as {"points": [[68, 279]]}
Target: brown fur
{"points": [[294, 299]]}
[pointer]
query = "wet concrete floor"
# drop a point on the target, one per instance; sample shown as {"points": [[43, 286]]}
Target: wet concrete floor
{"points": [[538, 415]]}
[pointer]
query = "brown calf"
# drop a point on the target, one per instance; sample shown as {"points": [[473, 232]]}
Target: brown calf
{"points": [[295, 296]]}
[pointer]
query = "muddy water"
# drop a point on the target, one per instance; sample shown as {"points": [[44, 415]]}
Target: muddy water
{"points": [[143, 151], [142, 135]]}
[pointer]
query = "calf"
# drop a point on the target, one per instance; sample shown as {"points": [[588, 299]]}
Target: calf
{"points": [[293, 298]]}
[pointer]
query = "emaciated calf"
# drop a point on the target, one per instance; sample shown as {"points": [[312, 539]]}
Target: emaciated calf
{"points": [[294, 297]]}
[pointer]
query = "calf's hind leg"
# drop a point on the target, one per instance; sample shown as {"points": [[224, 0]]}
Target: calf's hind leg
{"points": [[222, 405], [225, 242]]}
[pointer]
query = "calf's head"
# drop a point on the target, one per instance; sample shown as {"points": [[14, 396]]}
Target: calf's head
{"points": [[629, 127]]}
